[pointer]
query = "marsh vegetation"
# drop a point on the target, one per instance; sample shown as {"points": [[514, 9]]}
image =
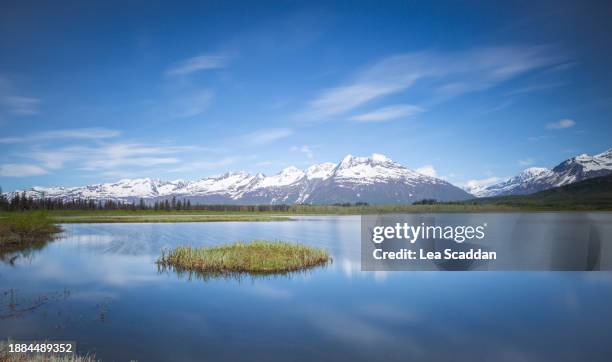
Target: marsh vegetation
{"points": [[257, 257], [23, 232]]}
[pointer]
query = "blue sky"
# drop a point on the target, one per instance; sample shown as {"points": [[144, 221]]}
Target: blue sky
{"points": [[95, 92]]}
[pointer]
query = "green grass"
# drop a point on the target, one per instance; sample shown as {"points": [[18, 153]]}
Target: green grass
{"points": [[25, 229], [139, 216], [160, 218], [256, 257]]}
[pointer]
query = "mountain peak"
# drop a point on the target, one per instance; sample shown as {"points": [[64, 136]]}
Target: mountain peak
{"points": [[533, 171], [377, 157], [322, 170], [289, 170], [605, 154], [534, 179], [347, 159]]}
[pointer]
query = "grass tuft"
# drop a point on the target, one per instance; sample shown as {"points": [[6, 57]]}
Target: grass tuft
{"points": [[258, 257]]}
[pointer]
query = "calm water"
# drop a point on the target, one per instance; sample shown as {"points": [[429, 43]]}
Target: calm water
{"points": [[99, 286]]}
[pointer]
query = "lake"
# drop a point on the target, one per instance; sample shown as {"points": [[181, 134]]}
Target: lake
{"points": [[99, 286]]}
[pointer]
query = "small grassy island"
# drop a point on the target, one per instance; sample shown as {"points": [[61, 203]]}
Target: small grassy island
{"points": [[256, 257]]}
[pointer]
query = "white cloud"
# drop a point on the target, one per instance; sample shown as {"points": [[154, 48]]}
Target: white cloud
{"points": [[475, 185], [538, 138], [264, 163], [388, 113], [191, 105], [526, 162], [131, 161], [427, 170], [198, 63], [16, 105], [341, 99], [265, 136], [451, 74], [108, 157], [21, 106], [305, 149], [105, 159], [21, 170], [561, 124], [205, 165], [536, 88], [77, 133]]}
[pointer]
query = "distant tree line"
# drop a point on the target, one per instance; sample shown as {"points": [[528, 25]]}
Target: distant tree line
{"points": [[426, 202], [348, 204], [23, 202]]}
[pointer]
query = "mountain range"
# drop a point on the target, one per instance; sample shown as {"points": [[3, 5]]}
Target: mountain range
{"points": [[374, 180], [535, 179]]}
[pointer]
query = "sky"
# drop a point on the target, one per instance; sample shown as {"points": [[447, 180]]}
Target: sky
{"points": [[471, 92]]}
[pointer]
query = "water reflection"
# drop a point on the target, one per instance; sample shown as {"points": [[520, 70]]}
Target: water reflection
{"points": [[122, 307], [183, 273], [14, 304], [520, 241], [10, 252]]}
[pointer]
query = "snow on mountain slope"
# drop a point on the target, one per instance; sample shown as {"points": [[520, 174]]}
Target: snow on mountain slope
{"points": [[536, 179], [379, 180], [286, 177], [522, 183], [320, 171], [377, 168], [231, 184], [374, 179]]}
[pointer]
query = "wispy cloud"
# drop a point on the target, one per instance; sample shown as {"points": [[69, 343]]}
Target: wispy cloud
{"points": [[537, 88], [77, 133], [427, 170], [450, 75], [341, 99], [205, 165], [526, 162], [388, 113], [538, 138], [265, 136], [132, 154], [561, 124], [473, 185], [198, 63], [191, 105], [264, 163], [21, 106], [16, 105], [107, 157], [21, 170], [305, 149]]}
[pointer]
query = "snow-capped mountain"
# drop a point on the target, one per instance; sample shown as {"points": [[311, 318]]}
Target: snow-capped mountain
{"points": [[536, 179], [375, 179]]}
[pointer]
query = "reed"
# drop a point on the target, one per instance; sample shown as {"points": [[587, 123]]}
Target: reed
{"points": [[259, 256]]}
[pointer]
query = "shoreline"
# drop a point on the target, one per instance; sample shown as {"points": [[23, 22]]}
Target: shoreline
{"points": [[103, 217]]}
